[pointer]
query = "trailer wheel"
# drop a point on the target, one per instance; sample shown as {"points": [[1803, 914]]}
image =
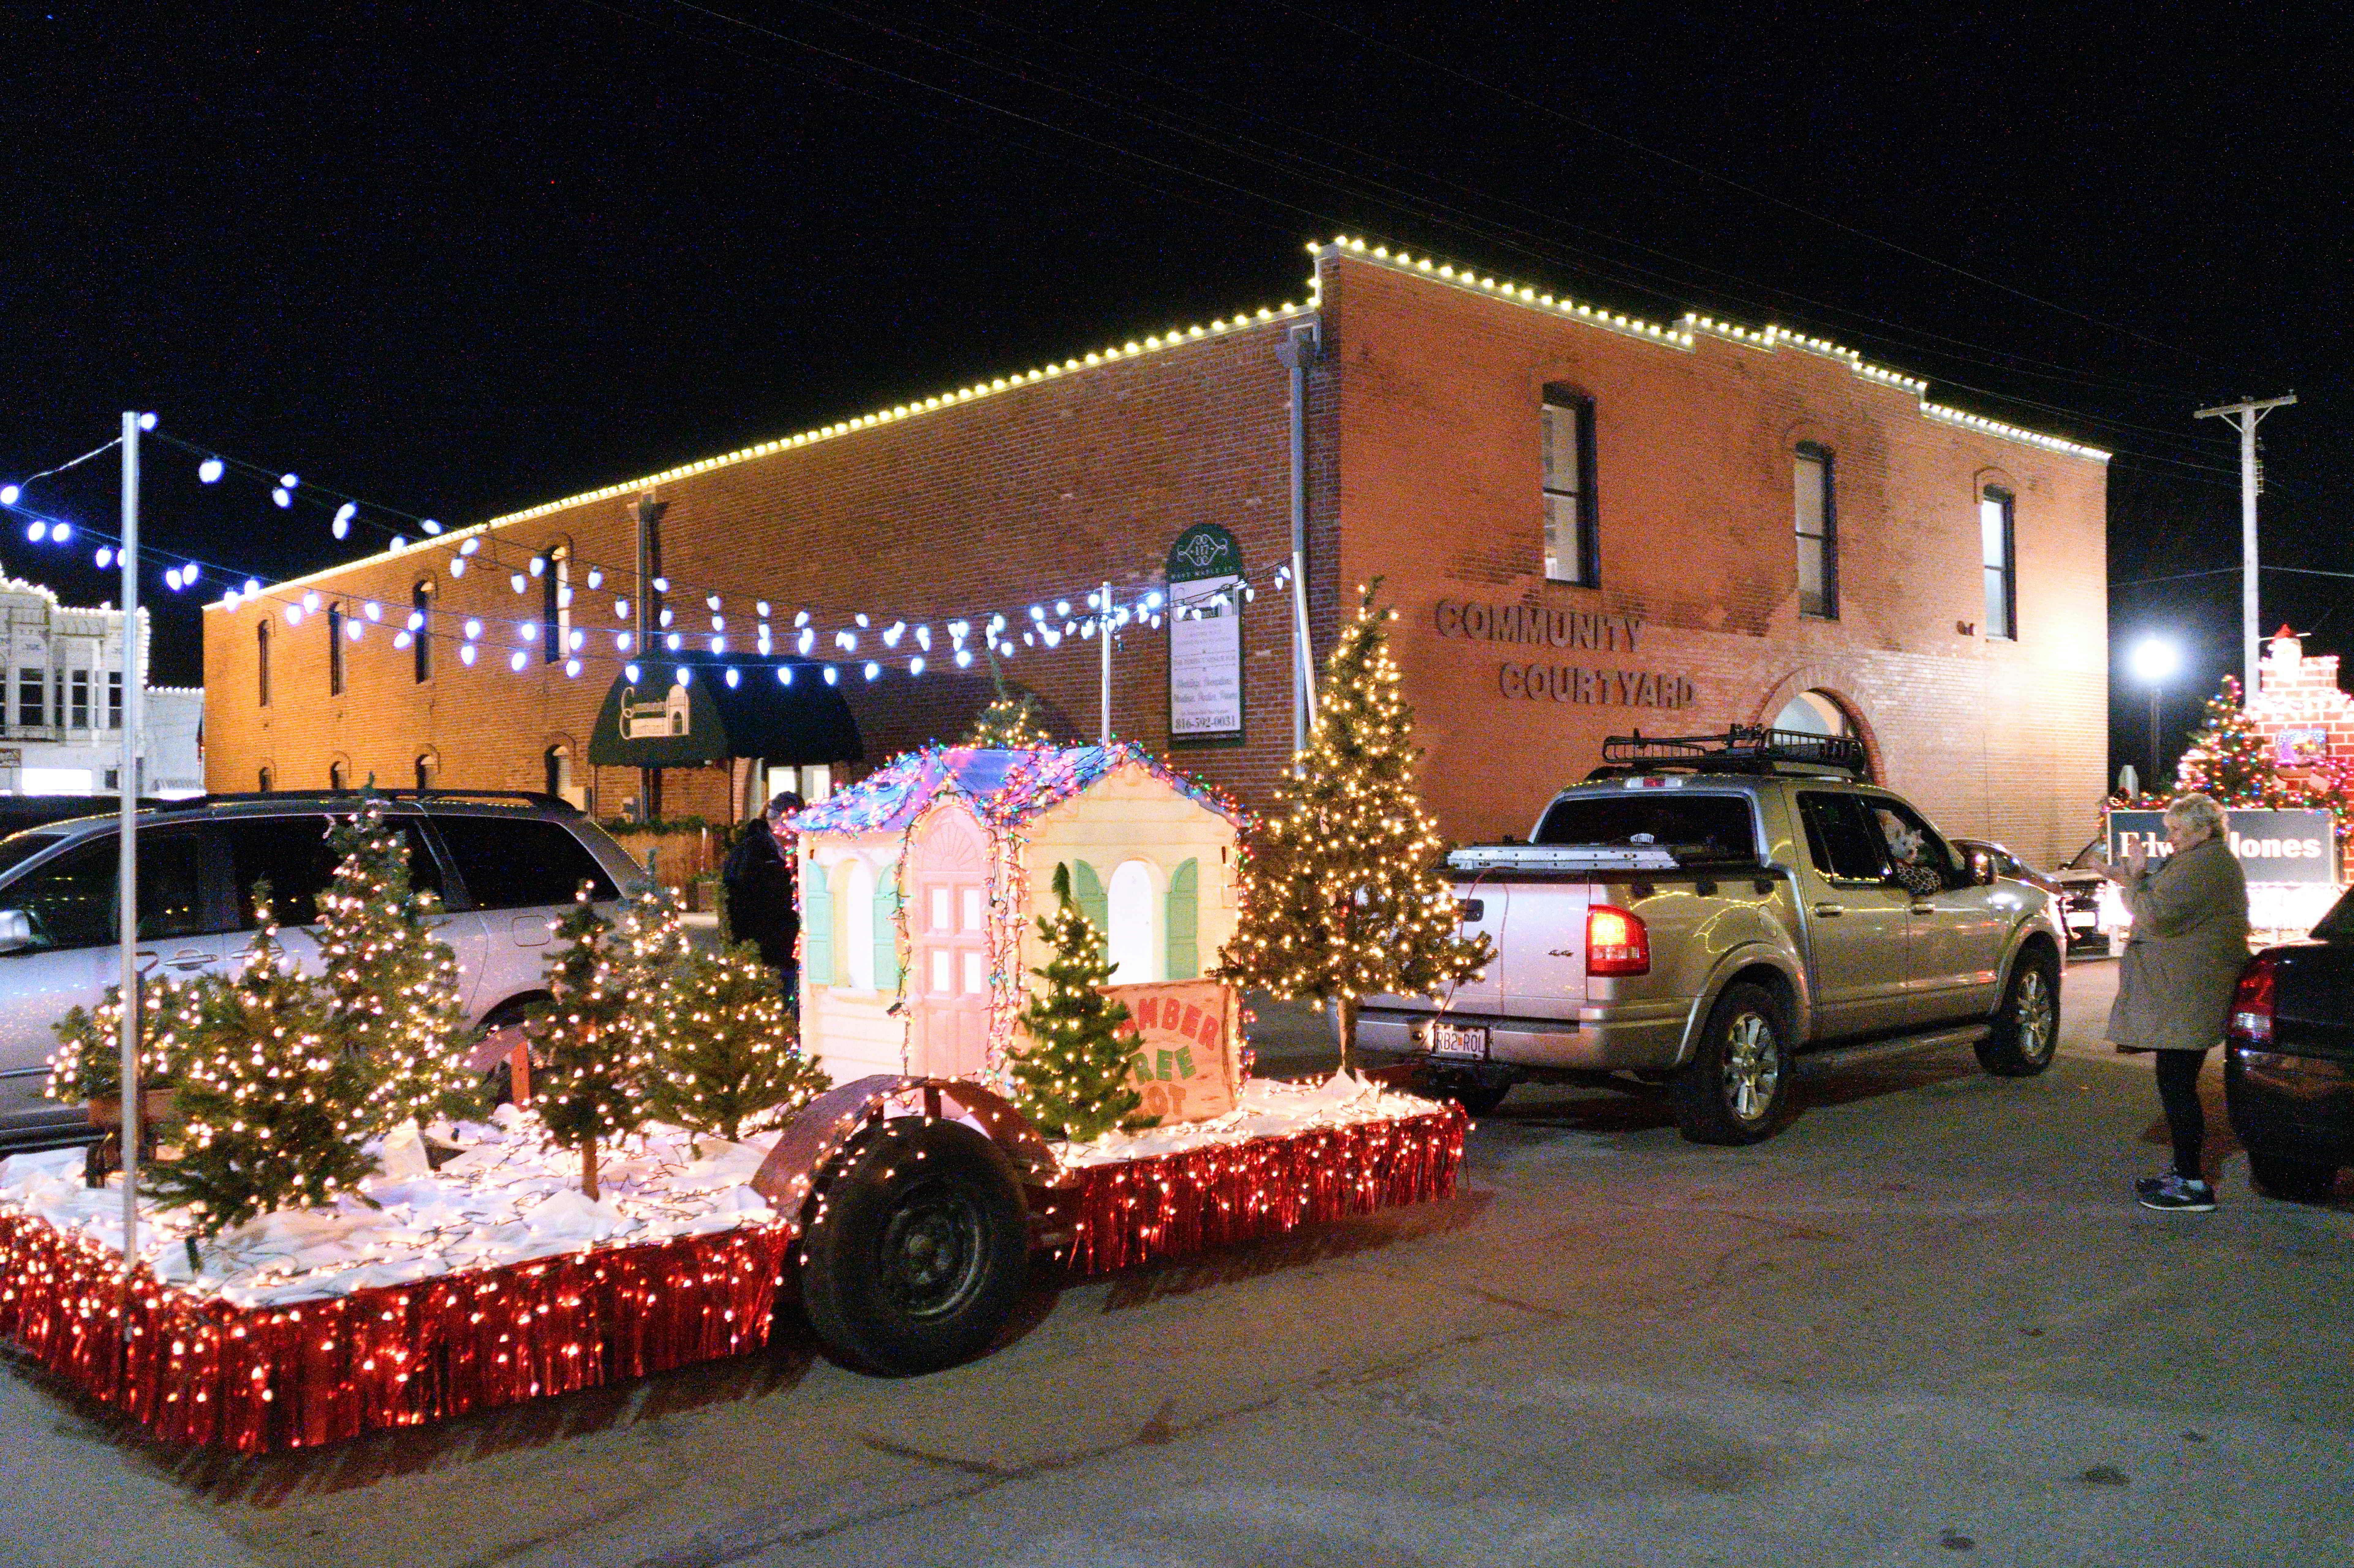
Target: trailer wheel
{"points": [[918, 1250], [1736, 1087]]}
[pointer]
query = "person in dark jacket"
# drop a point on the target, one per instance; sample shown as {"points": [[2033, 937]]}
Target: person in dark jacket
{"points": [[759, 875], [2190, 942]]}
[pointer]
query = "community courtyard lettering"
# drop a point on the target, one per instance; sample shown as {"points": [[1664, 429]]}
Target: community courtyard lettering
{"points": [[1547, 627]]}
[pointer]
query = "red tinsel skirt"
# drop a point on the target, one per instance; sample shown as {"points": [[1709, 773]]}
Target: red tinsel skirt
{"points": [[197, 1369]]}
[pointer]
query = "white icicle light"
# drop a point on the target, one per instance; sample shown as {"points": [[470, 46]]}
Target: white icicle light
{"points": [[473, 629], [527, 631], [373, 611], [572, 668], [516, 580], [832, 675], [916, 666], [458, 566], [539, 566], [873, 669], [466, 654], [469, 546], [209, 470], [733, 678], [515, 661], [283, 496]]}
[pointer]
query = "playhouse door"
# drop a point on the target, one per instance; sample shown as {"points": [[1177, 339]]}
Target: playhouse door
{"points": [[949, 924]]}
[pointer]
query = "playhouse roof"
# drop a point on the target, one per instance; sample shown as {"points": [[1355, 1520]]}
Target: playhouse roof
{"points": [[1004, 789]]}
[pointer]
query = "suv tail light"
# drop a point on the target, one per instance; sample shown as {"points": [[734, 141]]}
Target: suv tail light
{"points": [[2252, 1005], [1615, 942]]}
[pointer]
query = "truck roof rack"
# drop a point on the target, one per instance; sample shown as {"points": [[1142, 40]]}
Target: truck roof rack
{"points": [[1742, 748]]}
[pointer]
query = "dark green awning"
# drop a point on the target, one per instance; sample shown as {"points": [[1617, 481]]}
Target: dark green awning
{"points": [[687, 709]]}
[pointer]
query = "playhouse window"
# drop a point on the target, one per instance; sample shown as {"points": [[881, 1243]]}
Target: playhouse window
{"points": [[857, 918], [1132, 943]]}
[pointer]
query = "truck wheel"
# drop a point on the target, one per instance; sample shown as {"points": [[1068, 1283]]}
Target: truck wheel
{"points": [[2026, 1027], [1476, 1090], [919, 1249], [2296, 1181], [1736, 1087]]}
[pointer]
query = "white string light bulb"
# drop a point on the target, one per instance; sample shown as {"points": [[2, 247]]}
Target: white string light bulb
{"points": [[209, 470]]}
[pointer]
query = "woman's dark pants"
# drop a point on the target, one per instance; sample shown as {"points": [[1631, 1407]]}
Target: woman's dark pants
{"points": [[2177, 1090]]}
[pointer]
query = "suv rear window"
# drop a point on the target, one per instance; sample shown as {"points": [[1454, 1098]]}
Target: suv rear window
{"points": [[292, 853], [520, 863], [1698, 829]]}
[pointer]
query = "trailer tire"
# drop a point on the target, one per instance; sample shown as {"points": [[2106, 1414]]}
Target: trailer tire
{"points": [[919, 1249], [1738, 1087]]}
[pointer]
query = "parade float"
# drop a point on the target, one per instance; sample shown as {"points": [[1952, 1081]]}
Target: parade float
{"points": [[323, 1252]]}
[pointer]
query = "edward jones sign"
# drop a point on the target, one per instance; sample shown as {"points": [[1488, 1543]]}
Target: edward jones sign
{"points": [[2274, 847], [1541, 679]]}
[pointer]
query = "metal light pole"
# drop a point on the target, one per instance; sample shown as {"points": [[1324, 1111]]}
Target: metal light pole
{"points": [[2244, 417], [2156, 660], [127, 840], [1103, 635]]}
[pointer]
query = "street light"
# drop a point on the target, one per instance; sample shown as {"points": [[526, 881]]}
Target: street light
{"points": [[2156, 661]]}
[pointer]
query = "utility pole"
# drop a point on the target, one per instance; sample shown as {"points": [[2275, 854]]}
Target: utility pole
{"points": [[126, 896], [2244, 417]]}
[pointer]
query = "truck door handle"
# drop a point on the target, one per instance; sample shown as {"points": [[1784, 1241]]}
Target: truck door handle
{"points": [[1828, 910]]}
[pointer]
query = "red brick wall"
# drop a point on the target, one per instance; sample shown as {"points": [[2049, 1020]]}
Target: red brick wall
{"points": [[1440, 462], [1424, 470]]}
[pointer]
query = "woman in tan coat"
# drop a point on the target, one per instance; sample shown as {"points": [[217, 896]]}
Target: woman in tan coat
{"points": [[2190, 942]]}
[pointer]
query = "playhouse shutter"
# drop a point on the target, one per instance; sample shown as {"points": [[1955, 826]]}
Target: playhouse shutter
{"points": [[1184, 918], [817, 925], [1088, 893], [887, 972]]}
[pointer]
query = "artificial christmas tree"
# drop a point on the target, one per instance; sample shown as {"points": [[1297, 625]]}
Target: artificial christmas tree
{"points": [[2231, 758], [1071, 1079], [588, 1086], [270, 1112], [1009, 723], [1344, 890], [392, 987], [728, 1057]]}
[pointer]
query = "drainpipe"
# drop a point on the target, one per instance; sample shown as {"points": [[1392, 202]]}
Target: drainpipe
{"points": [[1299, 349]]}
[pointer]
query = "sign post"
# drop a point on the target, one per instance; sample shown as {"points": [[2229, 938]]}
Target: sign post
{"points": [[127, 849], [1205, 635]]}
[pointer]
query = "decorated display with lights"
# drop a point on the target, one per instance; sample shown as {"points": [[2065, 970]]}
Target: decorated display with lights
{"points": [[1072, 1076], [1344, 895], [922, 886], [732, 1062], [589, 1074]]}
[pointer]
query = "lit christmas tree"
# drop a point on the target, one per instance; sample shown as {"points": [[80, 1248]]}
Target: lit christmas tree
{"points": [[1344, 893], [392, 986], [588, 1086], [1009, 723], [649, 953], [271, 1111], [1071, 1080], [729, 1056], [2232, 759]]}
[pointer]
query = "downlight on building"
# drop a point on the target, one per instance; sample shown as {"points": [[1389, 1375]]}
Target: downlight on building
{"points": [[1588, 523]]}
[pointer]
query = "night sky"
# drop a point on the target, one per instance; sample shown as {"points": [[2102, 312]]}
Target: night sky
{"points": [[461, 257]]}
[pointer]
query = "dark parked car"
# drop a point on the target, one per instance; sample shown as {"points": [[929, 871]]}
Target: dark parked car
{"points": [[2288, 1061]]}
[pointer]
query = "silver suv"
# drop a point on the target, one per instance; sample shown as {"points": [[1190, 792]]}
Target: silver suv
{"points": [[505, 866]]}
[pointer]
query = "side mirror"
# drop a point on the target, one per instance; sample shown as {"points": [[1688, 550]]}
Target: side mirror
{"points": [[1982, 870], [16, 930]]}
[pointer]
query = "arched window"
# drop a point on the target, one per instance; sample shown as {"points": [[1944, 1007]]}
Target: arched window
{"points": [[856, 921], [427, 765], [556, 603], [557, 762], [339, 776], [263, 779], [1132, 910], [1815, 713]]}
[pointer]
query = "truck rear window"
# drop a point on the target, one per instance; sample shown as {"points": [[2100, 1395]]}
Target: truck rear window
{"points": [[1698, 829]]}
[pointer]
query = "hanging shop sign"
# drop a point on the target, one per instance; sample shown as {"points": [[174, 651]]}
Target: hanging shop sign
{"points": [[1205, 644], [1546, 680], [1180, 1039], [2274, 847]]}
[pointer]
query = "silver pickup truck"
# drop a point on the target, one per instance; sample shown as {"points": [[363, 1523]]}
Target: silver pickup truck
{"points": [[1709, 914]]}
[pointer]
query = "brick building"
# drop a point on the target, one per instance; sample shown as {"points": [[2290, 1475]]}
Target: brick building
{"points": [[1586, 523]]}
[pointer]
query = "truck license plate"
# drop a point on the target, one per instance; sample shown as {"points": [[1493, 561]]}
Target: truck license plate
{"points": [[1458, 1040]]}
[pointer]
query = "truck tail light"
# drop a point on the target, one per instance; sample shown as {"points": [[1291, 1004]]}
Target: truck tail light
{"points": [[1615, 942], [2252, 1005]]}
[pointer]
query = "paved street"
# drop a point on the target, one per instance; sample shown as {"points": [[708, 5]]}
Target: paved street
{"points": [[1925, 1326]]}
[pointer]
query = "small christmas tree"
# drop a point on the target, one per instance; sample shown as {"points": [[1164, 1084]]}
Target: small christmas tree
{"points": [[1072, 1080], [649, 953], [590, 1086], [270, 1109], [1345, 889], [1009, 723], [2231, 758], [729, 1057], [392, 986]]}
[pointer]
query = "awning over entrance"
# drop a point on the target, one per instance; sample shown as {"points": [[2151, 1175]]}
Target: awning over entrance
{"points": [[687, 709]]}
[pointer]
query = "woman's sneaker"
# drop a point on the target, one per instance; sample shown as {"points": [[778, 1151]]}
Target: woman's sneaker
{"points": [[2176, 1194]]}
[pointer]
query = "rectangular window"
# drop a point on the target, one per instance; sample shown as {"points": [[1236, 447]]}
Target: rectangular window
{"points": [[420, 629], [1570, 555], [1998, 549], [1817, 525], [334, 650], [261, 666], [77, 706], [32, 698], [555, 605], [114, 699]]}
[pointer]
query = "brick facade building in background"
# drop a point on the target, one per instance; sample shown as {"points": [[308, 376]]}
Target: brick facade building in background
{"points": [[1588, 523]]}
